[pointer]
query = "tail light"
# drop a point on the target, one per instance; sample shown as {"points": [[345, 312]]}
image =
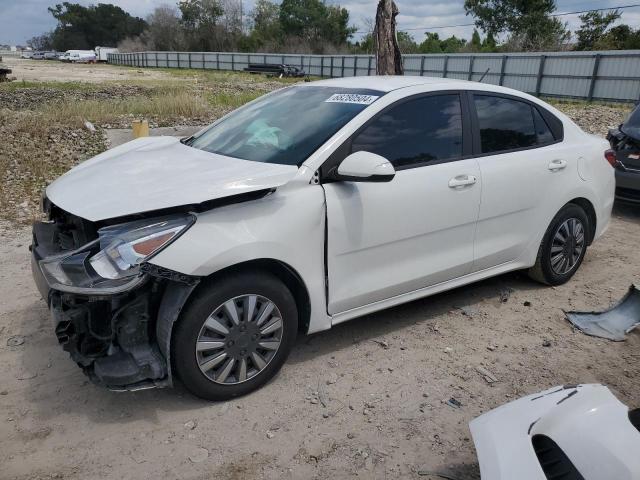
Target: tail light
{"points": [[610, 155]]}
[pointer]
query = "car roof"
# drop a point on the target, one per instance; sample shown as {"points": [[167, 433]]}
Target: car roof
{"points": [[387, 83]]}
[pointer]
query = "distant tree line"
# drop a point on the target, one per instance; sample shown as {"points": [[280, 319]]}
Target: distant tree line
{"points": [[313, 26]]}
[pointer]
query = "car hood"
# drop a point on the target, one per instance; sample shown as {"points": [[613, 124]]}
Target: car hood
{"points": [[153, 173], [589, 426]]}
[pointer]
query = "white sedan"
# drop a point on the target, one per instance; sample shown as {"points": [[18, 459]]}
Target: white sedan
{"points": [[312, 205]]}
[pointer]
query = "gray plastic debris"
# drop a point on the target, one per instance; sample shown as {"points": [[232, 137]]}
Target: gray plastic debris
{"points": [[614, 323]]}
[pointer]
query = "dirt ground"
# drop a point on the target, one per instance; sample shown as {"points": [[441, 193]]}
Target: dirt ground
{"points": [[54, 71], [364, 400]]}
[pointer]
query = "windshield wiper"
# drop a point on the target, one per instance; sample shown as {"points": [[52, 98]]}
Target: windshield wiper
{"points": [[188, 140]]}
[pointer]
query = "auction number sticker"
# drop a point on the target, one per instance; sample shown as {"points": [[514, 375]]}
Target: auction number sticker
{"points": [[352, 98]]}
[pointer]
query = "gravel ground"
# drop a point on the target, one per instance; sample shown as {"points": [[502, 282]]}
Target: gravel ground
{"points": [[366, 399]]}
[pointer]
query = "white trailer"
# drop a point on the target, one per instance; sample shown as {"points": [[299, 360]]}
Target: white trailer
{"points": [[103, 52]]}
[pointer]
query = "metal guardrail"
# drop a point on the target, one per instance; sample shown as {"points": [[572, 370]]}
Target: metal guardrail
{"points": [[605, 75]]}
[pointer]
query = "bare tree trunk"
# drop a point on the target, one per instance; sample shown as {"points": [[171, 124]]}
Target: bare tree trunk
{"points": [[388, 57]]}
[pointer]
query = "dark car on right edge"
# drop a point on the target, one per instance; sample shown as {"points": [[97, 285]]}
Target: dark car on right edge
{"points": [[625, 157]]}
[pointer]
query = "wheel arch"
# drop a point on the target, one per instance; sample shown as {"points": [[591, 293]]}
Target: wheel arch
{"points": [[588, 208], [284, 272]]}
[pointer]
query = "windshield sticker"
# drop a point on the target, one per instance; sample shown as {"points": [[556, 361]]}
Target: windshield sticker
{"points": [[352, 98]]}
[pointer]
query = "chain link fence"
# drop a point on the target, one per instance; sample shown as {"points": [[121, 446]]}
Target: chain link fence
{"points": [[606, 75]]}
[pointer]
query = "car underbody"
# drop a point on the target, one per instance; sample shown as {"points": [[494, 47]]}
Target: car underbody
{"points": [[120, 340]]}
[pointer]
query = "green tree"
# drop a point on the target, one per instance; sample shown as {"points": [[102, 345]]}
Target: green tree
{"points": [[266, 22], [452, 44], [489, 44], [476, 41], [593, 27], [407, 43], [200, 22], [621, 37], [314, 22], [529, 23], [431, 44], [81, 27]]}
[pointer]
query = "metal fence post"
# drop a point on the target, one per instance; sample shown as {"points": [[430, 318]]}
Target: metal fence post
{"points": [[355, 65], [445, 68], [502, 67], [422, 66], [322, 66], [369, 66], [342, 72], [471, 60], [594, 76], [331, 72], [233, 62], [301, 62], [189, 59], [543, 59], [217, 61]]}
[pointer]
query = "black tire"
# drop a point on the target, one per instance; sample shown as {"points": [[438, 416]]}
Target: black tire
{"points": [[543, 271], [208, 298]]}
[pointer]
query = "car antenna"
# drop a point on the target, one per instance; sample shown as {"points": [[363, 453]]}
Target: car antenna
{"points": [[484, 75]]}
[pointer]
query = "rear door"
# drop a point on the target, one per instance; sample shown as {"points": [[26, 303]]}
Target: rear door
{"points": [[524, 166], [386, 239]]}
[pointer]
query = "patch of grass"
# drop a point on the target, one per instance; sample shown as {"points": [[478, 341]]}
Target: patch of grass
{"points": [[64, 86], [228, 100], [560, 102], [165, 105], [35, 152]]}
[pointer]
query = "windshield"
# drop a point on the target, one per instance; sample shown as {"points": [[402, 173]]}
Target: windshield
{"points": [[631, 127], [286, 126]]}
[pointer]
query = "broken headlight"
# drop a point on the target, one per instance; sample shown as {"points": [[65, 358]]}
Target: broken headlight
{"points": [[112, 262]]}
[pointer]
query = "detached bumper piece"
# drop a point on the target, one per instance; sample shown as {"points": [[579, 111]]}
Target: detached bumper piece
{"points": [[572, 432], [612, 324]]}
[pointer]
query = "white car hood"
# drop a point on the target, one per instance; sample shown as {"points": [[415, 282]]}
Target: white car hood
{"points": [[587, 422], [153, 173]]}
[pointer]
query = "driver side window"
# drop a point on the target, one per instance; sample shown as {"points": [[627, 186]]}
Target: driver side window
{"points": [[415, 133]]}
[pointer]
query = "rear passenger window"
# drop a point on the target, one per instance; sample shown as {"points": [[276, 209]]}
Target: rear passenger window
{"points": [[416, 132], [543, 132], [504, 124]]}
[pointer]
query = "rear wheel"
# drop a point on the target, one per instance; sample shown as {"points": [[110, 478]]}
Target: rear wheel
{"points": [[563, 247], [235, 335]]}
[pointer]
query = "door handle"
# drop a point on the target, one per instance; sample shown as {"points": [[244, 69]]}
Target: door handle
{"points": [[462, 181], [556, 165]]}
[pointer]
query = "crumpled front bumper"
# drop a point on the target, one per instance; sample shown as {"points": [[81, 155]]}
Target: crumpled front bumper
{"points": [[120, 340]]}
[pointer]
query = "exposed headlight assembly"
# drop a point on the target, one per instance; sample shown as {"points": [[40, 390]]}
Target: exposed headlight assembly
{"points": [[111, 264]]}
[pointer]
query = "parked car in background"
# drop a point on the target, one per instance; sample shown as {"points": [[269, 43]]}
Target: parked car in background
{"points": [[26, 54], [38, 56], [103, 52], [310, 206], [625, 156], [50, 55]]}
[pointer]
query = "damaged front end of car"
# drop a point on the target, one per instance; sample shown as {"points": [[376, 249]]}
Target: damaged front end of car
{"points": [[111, 309]]}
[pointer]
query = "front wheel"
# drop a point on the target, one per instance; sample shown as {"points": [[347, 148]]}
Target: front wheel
{"points": [[235, 335], [563, 247]]}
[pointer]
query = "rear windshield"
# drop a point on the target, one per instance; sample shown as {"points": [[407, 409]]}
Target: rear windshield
{"points": [[631, 127], [285, 126]]}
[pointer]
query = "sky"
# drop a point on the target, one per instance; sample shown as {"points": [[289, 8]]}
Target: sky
{"points": [[23, 19]]}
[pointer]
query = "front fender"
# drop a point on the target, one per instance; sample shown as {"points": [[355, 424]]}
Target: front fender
{"points": [[287, 226]]}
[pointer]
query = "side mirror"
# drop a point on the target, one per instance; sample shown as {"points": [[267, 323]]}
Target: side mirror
{"points": [[365, 167]]}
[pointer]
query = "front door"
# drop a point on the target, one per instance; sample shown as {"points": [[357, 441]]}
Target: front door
{"points": [[386, 239]]}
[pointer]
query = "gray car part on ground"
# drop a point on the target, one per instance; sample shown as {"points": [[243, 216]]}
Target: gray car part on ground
{"points": [[614, 323]]}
